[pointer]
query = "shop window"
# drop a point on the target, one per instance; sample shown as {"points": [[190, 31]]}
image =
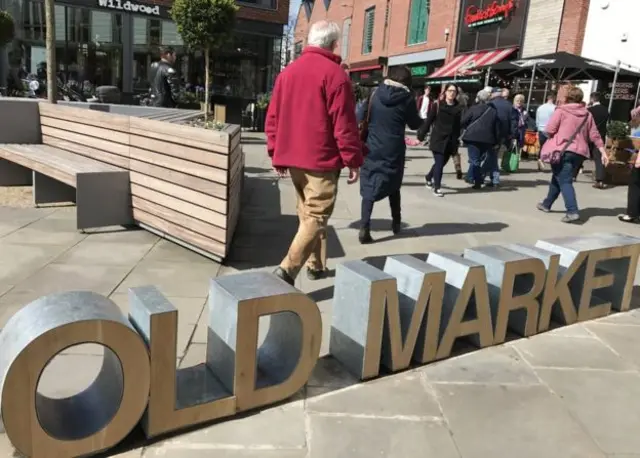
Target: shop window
{"points": [[101, 27], [367, 37], [418, 21], [140, 31], [170, 35], [344, 42], [154, 32]]}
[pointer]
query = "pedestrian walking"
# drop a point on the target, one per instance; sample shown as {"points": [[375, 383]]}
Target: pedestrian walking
{"points": [[312, 134], [481, 132], [601, 117], [508, 118], [446, 117], [543, 114], [570, 128], [165, 87], [391, 109], [633, 194], [463, 100]]}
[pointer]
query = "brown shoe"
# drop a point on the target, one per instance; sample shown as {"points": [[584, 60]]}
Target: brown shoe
{"points": [[283, 275]]}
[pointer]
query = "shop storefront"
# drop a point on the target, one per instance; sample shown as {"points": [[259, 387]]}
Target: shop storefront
{"points": [[421, 64], [114, 42], [489, 32], [368, 73]]}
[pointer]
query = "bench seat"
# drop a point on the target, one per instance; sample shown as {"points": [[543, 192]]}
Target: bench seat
{"points": [[100, 191]]}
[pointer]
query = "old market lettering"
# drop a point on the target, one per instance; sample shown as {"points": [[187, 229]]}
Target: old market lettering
{"points": [[410, 310], [494, 12]]}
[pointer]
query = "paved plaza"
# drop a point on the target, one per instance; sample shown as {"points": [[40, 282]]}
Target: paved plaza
{"points": [[573, 392]]}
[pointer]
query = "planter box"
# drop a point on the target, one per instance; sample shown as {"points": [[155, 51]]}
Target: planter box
{"points": [[617, 173]]}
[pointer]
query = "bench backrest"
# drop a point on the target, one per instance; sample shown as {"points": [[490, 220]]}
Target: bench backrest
{"points": [[185, 181], [94, 134]]}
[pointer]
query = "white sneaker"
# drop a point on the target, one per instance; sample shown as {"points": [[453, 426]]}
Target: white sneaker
{"points": [[438, 193]]}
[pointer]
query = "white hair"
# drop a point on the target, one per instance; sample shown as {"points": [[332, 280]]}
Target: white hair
{"points": [[323, 34], [483, 96]]}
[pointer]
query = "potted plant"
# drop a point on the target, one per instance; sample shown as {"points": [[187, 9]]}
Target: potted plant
{"points": [[262, 103], [7, 28], [618, 146]]}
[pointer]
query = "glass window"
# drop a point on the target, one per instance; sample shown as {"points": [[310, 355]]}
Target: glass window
{"points": [[154, 32], [419, 21], [369, 22], [346, 31], [139, 31], [60, 23], [101, 27], [170, 35]]}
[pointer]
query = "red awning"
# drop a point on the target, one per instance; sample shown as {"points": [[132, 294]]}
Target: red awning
{"points": [[465, 63], [365, 69]]}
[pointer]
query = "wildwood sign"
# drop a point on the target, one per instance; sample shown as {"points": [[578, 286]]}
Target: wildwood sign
{"points": [[410, 311]]}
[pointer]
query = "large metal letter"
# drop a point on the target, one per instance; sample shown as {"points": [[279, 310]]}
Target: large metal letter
{"points": [[291, 346], [515, 283], [552, 303], [177, 398], [91, 421], [609, 256], [360, 296], [381, 316], [417, 318], [465, 289]]}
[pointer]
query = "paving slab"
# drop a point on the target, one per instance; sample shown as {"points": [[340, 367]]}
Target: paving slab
{"points": [[512, 420], [352, 437], [401, 395], [496, 365], [224, 453], [172, 279], [548, 350], [623, 339], [604, 402]]}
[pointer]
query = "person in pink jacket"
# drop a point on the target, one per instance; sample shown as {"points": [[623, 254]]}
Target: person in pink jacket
{"points": [[570, 129]]}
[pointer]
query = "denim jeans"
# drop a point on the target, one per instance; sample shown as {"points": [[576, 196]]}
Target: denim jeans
{"points": [[491, 166], [562, 182], [477, 153]]}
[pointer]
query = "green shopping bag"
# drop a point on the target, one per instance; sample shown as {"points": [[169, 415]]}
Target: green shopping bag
{"points": [[511, 159]]}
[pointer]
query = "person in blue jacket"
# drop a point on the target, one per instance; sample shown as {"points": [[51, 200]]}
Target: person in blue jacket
{"points": [[508, 121], [481, 133], [393, 107]]}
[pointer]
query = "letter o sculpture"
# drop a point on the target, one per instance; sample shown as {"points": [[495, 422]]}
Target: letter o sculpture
{"points": [[93, 420]]}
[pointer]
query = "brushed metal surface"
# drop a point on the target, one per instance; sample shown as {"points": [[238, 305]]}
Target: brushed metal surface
{"points": [[98, 417]]}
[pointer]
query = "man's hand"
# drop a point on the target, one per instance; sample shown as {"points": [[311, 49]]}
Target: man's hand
{"points": [[281, 171], [354, 174], [604, 157]]}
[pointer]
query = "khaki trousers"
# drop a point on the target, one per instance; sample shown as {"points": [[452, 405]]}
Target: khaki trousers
{"points": [[316, 194]]}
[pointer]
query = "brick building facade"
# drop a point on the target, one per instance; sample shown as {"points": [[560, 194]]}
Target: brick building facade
{"points": [[446, 39]]}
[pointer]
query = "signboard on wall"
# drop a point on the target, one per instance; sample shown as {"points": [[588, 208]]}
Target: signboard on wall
{"points": [[495, 12], [491, 24]]}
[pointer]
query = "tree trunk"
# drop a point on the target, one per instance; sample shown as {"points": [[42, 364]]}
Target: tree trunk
{"points": [[206, 84], [52, 81]]}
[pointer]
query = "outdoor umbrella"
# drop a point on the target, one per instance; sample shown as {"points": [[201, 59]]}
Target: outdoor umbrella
{"points": [[560, 66]]}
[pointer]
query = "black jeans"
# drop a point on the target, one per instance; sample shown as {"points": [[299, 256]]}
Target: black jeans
{"points": [[633, 194], [367, 208], [600, 174], [435, 174]]}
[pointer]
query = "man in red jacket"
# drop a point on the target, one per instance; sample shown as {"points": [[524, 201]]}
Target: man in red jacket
{"points": [[312, 134]]}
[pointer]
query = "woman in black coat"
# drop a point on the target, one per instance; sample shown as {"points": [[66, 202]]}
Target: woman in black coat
{"points": [[393, 107], [445, 116]]}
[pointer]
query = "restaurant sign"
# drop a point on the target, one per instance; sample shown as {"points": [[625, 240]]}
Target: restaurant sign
{"points": [[495, 12]]}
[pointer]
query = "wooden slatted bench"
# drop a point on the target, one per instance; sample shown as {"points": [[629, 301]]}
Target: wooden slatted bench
{"points": [[99, 189], [180, 182]]}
